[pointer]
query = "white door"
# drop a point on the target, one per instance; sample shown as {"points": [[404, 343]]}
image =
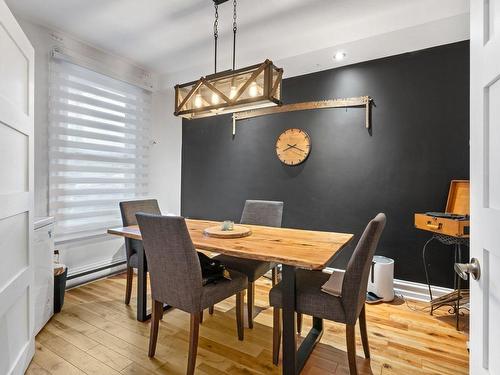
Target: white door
{"points": [[485, 185], [16, 196]]}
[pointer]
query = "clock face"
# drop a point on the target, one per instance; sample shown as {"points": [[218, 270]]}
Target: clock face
{"points": [[293, 146]]}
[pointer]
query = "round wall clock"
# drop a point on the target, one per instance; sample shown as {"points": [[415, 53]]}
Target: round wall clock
{"points": [[293, 146]]}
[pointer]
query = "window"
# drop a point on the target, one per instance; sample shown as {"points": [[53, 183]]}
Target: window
{"points": [[98, 148]]}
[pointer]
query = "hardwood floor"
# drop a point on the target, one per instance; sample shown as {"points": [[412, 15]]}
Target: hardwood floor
{"points": [[96, 333]]}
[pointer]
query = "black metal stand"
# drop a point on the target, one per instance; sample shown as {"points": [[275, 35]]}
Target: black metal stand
{"points": [[458, 296], [293, 359]]}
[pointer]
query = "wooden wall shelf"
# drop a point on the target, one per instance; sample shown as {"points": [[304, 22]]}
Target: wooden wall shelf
{"points": [[359, 101]]}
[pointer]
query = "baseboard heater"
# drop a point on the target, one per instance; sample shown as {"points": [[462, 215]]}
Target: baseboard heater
{"points": [[98, 269]]}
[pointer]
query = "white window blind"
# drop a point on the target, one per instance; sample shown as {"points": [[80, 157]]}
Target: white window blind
{"points": [[98, 148]]}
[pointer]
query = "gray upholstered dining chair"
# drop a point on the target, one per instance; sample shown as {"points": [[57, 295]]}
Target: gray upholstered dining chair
{"points": [[175, 273], [128, 210], [345, 309], [255, 212]]}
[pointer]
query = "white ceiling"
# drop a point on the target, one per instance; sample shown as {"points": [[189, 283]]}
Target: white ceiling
{"points": [[174, 37]]}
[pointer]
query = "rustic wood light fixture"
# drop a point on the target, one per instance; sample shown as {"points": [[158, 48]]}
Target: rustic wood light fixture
{"points": [[254, 87]]}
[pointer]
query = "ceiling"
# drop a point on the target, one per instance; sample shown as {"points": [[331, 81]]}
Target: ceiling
{"points": [[174, 37]]}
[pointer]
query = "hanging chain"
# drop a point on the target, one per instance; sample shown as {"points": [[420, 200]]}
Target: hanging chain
{"points": [[216, 34], [235, 28]]}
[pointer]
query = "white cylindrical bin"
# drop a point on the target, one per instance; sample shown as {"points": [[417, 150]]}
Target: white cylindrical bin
{"points": [[381, 280]]}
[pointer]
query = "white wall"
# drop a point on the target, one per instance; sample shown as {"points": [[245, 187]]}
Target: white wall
{"points": [[84, 255], [165, 161]]}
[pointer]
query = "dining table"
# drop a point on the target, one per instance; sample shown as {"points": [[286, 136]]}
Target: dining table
{"points": [[292, 248]]}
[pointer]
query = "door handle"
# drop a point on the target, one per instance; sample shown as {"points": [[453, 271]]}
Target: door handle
{"points": [[472, 268]]}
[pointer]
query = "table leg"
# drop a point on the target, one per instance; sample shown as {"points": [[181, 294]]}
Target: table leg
{"points": [[288, 316], [309, 343], [293, 359], [142, 287]]}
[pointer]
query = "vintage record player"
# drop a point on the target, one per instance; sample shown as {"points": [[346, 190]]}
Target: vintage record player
{"points": [[455, 220]]}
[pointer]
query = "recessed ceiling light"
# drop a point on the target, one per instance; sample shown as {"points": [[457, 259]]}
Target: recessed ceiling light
{"points": [[339, 56]]}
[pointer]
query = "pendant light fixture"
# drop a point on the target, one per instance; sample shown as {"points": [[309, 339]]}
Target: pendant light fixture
{"points": [[235, 90]]}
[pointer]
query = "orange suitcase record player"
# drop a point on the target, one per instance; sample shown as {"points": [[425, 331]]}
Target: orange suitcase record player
{"points": [[455, 221]]}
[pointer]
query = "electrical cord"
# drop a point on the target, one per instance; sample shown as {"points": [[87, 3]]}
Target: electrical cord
{"points": [[414, 307]]}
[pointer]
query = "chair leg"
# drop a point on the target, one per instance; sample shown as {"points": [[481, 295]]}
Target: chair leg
{"points": [[201, 317], [351, 348], [364, 333], [276, 335], [239, 314], [250, 303], [193, 342], [211, 310], [128, 287], [155, 321], [299, 323]]}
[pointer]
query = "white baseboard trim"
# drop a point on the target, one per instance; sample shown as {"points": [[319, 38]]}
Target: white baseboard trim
{"points": [[410, 289], [418, 291]]}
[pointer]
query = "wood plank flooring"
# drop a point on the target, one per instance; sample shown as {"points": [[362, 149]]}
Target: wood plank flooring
{"points": [[97, 334]]}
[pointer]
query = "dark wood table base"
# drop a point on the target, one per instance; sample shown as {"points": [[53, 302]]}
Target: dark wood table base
{"points": [[143, 314], [293, 359], [309, 343]]}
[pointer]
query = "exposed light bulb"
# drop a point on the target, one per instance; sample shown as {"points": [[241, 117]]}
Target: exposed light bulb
{"points": [[198, 102], [252, 91], [215, 99], [232, 93], [217, 111], [339, 56]]}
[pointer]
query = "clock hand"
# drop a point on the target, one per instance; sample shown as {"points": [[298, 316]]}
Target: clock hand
{"points": [[289, 146], [294, 146]]}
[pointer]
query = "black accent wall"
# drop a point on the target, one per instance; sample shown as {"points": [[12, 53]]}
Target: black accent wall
{"points": [[418, 143]]}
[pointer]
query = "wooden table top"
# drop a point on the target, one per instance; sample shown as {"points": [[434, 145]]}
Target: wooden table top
{"points": [[296, 247]]}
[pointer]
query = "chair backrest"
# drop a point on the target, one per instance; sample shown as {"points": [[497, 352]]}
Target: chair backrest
{"points": [[268, 213], [128, 210], [356, 275], [173, 263]]}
